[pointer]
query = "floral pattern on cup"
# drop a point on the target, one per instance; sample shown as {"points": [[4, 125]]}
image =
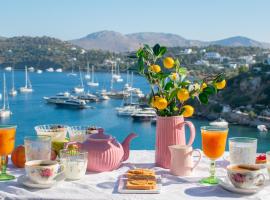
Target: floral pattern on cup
{"points": [[246, 179], [46, 172]]}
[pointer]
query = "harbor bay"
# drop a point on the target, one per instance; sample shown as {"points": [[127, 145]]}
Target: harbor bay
{"points": [[31, 109]]}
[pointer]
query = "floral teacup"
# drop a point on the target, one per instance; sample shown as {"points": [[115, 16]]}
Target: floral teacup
{"points": [[43, 171], [246, 176]]}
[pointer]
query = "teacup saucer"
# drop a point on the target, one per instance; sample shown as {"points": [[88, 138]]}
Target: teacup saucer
{"points": [[24, 180], [227, 185]]}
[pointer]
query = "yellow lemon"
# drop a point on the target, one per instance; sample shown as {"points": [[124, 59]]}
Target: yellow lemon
{"points": [[183, 94], [168, 62], [155, 68], [220, 85], [189, 110], [174, 76], [204, 85], [154, 101], [161, 103]]}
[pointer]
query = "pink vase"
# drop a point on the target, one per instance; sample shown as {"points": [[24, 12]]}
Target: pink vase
{"points": [[171, 131]]}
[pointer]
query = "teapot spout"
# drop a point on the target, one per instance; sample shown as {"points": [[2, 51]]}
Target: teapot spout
{"points": [[126, 144]]}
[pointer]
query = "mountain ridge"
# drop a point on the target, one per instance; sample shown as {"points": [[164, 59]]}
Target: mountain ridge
{"points": [[118, 42]]}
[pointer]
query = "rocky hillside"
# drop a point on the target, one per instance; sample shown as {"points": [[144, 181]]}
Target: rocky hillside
{"points": [[249, 88], [117, 42]]}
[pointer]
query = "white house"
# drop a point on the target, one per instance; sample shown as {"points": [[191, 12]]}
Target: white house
{"points": [[212, 55], [247, 59], [233, 65], [202, 63], [187, 51]]}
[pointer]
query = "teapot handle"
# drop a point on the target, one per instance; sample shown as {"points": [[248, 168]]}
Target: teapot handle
{"points": [[192, 132], [66, 145]]}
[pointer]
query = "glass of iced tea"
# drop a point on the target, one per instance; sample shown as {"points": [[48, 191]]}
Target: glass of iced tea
{"points": [[213, 146], [7, 142]]}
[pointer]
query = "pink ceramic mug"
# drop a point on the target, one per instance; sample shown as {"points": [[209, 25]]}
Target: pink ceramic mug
{"points": [[182, 160]]}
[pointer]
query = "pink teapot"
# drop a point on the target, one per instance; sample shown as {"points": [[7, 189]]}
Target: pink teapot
{"points": [[104, 152]]}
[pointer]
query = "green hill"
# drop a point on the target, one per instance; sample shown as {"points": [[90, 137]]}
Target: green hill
{"points": [[44, 52]]}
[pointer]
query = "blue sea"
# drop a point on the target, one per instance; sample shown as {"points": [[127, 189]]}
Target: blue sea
{"points": [[30, 110]]}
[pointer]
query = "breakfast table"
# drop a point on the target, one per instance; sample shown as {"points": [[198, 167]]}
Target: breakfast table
{"points": [[104, 186]]}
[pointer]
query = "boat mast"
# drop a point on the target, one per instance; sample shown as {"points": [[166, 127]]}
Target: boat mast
{"points": [[112, 78], [127, 77], [13, 84], [92, 74], [81, 78], [131, 81], [4, 91], [26, 77], [88, 73]]}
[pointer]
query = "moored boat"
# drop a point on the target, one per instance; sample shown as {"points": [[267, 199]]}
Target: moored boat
{"points": [[28, 87], [219, 123], [5, 111]]}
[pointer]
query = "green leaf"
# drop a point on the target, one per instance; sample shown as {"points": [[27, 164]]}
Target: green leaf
{"points": [[203, 98], [140, 53], [162, 51], [209, 90], [173, 94], [156, 49], [182, 71], [169, 85], [141, 65]]}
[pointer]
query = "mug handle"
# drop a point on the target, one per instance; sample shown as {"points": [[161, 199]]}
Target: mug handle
{"points": [[258, 182], [200, 157], [192, 132]]}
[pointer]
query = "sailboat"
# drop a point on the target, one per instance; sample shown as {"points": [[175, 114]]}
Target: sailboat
{"points": [[13, 91], [28, 87], [92, 83], [87, 75], [72, 72], [80, 88], [119, 78], [5, 112]]}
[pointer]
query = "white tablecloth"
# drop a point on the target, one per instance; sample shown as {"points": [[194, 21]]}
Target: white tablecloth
{"points": [[104, 185]]}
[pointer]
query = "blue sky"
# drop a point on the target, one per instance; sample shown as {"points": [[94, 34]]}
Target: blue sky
{"points": [[192, 19]]}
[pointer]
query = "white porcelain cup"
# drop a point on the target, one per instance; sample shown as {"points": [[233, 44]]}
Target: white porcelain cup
{"points": [[246, 176], [43, 171], [182, 160]]}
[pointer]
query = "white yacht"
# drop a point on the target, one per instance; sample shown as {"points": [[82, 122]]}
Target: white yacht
{"points": [[219, 123], [13, 91], [127, 110], [31, 69], [5, 111], [59, 70], [92, 83], [80, 88], [88, 97], [28, 87], [8, 69], [62, 100], [262, 128], [39, 71], [50, 69], [145, 114], [87, 76]]}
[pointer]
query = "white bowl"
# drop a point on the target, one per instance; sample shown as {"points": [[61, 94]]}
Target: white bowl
{"points": [[57, 132]]}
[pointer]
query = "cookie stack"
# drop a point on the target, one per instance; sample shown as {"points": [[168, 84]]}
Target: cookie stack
{"points": [[141, 179]]}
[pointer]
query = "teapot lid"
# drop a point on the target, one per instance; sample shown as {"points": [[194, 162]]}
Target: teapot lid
{"points": [[100, 136]]}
